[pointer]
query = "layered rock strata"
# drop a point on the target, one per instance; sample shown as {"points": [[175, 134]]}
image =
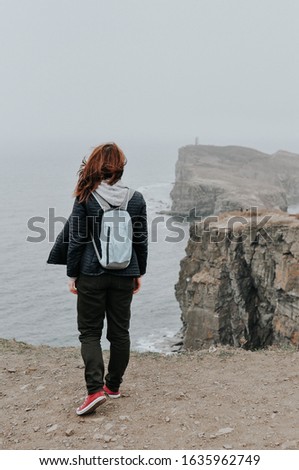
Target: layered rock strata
{"points": [[211, 179], [239, 282]]}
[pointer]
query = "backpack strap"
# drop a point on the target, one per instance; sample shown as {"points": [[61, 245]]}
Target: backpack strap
{"points": [[95, 248], [125, 203], [101, 201]]}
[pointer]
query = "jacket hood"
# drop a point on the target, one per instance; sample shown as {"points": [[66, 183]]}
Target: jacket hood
{"points": [[114, 195]]}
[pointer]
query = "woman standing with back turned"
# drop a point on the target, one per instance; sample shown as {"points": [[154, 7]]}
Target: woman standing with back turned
{"points": [[101, 291]]}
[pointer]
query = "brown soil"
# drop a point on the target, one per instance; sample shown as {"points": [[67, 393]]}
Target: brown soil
{"points": [[224, 398]]}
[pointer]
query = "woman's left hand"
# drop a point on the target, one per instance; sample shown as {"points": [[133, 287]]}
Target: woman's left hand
{"points": [[137, 285], [72, 286]]}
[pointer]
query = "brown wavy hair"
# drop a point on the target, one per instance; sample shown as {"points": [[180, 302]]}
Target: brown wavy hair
{"points": [[106, 162]]}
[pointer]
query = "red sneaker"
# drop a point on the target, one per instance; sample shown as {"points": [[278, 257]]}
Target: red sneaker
{"points": [[110, 393], [90, 403]]}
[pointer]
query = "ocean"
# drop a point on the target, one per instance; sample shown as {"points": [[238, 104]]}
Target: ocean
{"points": [[35, 305], [36, 190]]}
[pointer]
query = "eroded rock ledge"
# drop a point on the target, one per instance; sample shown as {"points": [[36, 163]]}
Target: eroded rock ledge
{"points": [[212, 179], [239, 282]]}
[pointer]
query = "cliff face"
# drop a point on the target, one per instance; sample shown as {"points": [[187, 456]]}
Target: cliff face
{"points": [[239, 282], [214, 179]]}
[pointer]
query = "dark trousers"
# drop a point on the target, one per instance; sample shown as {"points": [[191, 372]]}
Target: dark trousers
{"points": [[98, 296]]}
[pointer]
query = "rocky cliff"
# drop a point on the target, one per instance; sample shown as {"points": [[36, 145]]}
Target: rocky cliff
{"points": [[239, 281], [211, 179]]}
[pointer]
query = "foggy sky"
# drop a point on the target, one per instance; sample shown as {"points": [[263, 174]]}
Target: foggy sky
{"points": [[226, 71]]}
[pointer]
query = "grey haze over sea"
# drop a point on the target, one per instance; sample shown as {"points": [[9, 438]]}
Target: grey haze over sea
{"points": [[35, 305]]}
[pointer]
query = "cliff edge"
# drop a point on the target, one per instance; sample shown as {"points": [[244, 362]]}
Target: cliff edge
{"points": [[178, 401], [239, 282], [213, 179]]}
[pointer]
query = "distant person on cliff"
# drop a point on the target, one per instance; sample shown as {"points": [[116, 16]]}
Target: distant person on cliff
{"points": [[105, 289]]}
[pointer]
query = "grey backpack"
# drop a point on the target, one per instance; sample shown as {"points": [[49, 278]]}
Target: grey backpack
{"points": [[116, 234]]}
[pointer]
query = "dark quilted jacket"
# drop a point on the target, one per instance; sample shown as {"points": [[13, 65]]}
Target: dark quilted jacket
{"points": [[74, 247]]}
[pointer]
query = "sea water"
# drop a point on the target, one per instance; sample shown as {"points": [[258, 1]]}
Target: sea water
{"points": [[35, 305]]}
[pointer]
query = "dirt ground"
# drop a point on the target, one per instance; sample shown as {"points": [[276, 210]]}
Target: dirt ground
{"points": [[219, 399]]}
